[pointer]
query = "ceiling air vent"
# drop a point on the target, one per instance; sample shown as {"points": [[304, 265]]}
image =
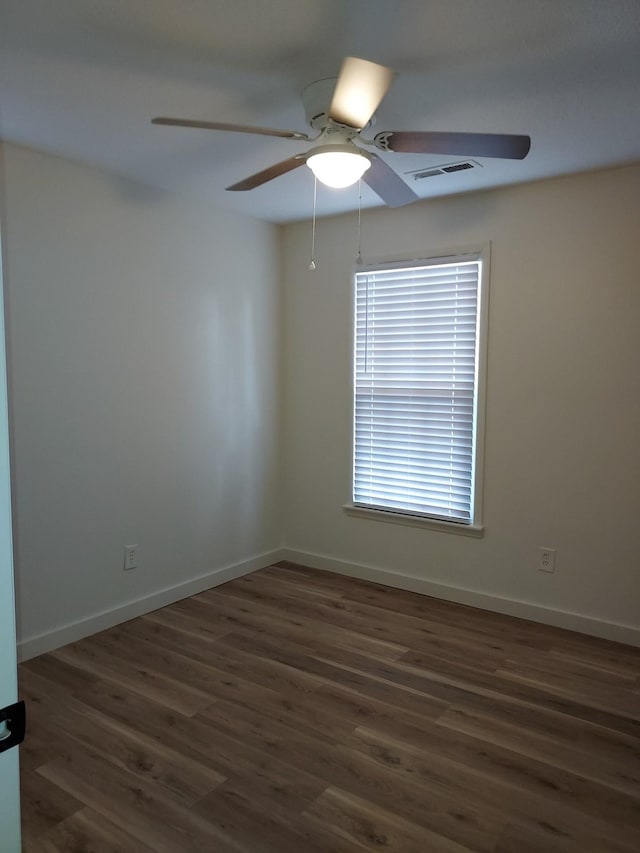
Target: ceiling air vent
{"points": [[428, 173], [445, 169], [457, 167]]}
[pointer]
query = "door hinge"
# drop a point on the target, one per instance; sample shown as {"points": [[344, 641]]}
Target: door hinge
{"points": [[13, 721]]}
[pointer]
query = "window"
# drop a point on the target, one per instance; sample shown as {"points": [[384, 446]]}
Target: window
{"points": [[419, 343]]}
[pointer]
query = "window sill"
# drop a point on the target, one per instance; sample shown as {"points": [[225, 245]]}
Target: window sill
{"points": [[473, 530]]}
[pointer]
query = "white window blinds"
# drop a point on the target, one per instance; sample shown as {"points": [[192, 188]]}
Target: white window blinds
{"points": [[415, 387]]}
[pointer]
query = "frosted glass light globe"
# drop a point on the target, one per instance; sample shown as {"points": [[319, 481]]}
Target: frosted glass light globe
{"points": [[338, 169]]}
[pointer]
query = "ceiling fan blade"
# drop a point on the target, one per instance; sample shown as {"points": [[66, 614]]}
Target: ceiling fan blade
{"points": [[387, 184], [467, 144], [269, 174], [236, 128], [360, 88]]}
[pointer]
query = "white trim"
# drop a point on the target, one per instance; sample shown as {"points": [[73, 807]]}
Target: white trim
{"points": [[41, 643], [480, 414], [628, 634], [418, 255], [408, 520]]}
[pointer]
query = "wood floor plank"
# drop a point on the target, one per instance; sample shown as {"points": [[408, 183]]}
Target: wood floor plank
{"points": [[497, 773], [93, 656], [612, 698], [245, 813], [608, 767], [43, 804], [137, 807], [293, 627], [63, 678], [143, 757], [528, 838], [591, 738], [459, 684], [372, 825], [86, 831], [354, 772], [376, 600], [296, 711]]}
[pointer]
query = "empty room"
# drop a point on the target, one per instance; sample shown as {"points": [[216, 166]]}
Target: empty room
{"points": [[320, 426]]}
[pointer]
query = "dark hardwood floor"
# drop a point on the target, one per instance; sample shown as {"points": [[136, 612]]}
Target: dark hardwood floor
{"points": [[293, 711]]}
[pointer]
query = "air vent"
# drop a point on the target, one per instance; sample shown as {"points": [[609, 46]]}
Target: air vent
{"points": [[428, 173], [445, 169], [458, 167]]}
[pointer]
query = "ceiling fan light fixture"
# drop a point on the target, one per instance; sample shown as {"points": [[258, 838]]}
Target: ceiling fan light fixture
{"points": [[338, 168]]}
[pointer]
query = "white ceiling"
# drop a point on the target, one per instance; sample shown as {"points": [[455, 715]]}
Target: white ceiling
{"points": [[83, 78]]}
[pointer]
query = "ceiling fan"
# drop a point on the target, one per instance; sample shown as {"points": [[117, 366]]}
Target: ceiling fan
{"points": [[341, 112]]}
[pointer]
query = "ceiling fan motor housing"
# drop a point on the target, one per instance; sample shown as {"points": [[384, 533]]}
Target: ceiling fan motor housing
{"points": [[317, 98]]}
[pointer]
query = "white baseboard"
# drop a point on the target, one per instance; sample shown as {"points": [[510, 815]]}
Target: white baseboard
{"points": [[511, 607], [41, 643]]}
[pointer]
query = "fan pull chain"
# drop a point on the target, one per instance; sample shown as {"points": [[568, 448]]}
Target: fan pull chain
{"points": [[312, 265], [359, 255]]}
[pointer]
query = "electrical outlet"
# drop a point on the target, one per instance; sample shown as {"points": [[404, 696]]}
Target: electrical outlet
{"points": [[547, 561], [130, 557]]}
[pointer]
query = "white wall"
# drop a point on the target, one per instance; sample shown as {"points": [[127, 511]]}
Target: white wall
{"points": [[562, 462], [143, 355]]}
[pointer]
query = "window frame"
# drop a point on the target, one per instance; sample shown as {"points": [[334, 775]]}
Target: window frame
{"points": [[475, 527]]}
